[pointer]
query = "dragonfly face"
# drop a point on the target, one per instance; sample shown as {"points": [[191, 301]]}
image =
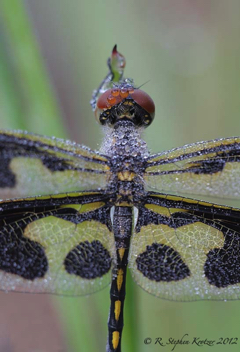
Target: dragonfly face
{"points": [[100, 212], [125, 103]]}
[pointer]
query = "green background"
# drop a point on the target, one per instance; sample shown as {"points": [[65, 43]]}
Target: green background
{"points": [[53, 54]]}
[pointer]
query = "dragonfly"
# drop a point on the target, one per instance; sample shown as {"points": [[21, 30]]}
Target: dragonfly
{"points": [[73, 219]]}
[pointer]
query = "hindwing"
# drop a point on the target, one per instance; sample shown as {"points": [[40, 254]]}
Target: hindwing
{"points": [[186, 250], [61, 244]]}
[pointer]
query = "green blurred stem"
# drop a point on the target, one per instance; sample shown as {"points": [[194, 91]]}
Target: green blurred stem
{"points": [[39, 104]]}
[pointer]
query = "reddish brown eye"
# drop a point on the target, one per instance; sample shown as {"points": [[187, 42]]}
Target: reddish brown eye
{"points": [[108, 99], [124, 92], [111, 100], [115, 92], [144, 100], [130, 90]]}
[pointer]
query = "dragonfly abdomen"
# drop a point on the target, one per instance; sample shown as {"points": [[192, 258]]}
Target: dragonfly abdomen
{"points": [[122, 227]]}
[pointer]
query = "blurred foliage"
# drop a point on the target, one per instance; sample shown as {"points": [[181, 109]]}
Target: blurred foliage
{"points": [[30, 102], [190, 51]]}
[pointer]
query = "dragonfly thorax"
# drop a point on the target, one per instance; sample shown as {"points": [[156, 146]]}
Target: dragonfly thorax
{"points": [[124, 140]]}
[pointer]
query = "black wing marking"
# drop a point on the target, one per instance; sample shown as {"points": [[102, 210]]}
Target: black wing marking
{"points": [[61, 244], [32, 165], [187, 250]]}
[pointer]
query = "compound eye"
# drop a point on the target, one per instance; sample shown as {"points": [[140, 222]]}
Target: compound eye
{"points": [[109, 99], [103, 103], [145, 101]]}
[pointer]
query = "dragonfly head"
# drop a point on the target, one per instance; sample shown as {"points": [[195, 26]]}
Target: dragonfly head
{"points": [[125, 102]]}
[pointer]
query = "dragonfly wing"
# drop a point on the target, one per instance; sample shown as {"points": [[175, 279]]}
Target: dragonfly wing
{"points": [[37, 165], [61, 244], [206, 168], [186, 250]]}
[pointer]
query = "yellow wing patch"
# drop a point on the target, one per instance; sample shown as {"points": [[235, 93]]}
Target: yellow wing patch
{"points": [[182, 254], [58, 237], [55, 249]]}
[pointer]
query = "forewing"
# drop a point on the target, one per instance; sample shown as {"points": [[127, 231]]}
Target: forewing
{"points": [[186, 250], [62, 245], [37, 165], [206, 168]]}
